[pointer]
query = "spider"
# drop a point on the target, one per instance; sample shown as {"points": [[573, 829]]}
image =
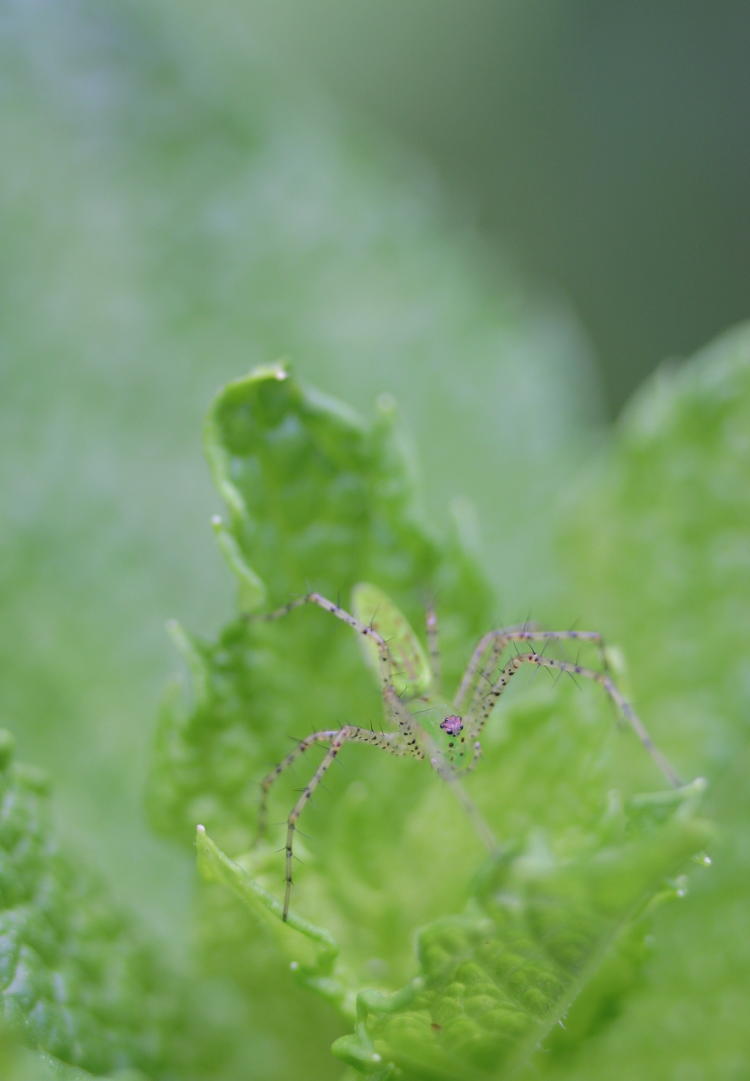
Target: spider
{"points": [[423, 724]]}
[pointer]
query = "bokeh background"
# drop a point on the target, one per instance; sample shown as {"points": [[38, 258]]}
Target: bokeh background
{"points": [[605, 145], [502, 214]]}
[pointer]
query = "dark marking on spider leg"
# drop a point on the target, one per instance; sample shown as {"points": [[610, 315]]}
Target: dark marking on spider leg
{"points": [[495, 638], [499, 639], [389, 742], [603, 680], [267, 782], [433, 646], [471, 765], [409, 730], [386, 660]]}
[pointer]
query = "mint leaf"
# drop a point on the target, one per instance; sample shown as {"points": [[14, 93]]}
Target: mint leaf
{"points": [[318, 500], [315, 498], [19, 1064], [657, 553], [493, 984], [660, 529], [490, 983], [75, 979]]}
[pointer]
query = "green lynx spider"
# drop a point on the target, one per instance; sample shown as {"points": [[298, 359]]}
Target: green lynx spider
{"points": [[424, 724]]}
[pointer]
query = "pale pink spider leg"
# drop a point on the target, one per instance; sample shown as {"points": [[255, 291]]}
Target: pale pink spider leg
{"points": [[433, 647], [497, 639], [386, 660], [349, 733], [393, 740], [627, 711], [268, 780], [426, 747], [409, 730], [303, 745], [476, 755]]}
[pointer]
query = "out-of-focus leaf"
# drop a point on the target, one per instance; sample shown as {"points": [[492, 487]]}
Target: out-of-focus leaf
{"points": [[75, 978], [296, 471], [658, 553]]}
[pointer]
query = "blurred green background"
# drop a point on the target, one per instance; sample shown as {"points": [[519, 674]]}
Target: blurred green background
{"points": [[189, 191], [501, 214], [604, 144]]}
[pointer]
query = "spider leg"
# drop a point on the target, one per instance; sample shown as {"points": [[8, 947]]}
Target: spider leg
{"points": [[496, 639], [421, 745], [386, 660], [409, 731], [493, 645], [265, 785], [433, 646], [604, 681], [389, 741], [472, 765], [337, 738]]}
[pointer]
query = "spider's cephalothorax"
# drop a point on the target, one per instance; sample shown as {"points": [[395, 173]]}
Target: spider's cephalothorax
{"points": [[452, 724], [423, 725]]}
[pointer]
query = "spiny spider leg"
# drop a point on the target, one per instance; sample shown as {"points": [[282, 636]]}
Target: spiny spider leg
{"points": [[386, 660], [477, 723], [387, 741], [390, 742], [407, 726], [476, 755], [433, 646], [497, 641], [426, 746]]}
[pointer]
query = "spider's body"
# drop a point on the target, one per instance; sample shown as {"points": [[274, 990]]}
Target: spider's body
{"points": [[422, 723]]}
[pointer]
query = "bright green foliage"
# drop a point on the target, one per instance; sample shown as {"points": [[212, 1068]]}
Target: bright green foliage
{"points": [[659, 539], [490, 983], [75, 978], [170, 223], [504, 947], [658, 550], [344, 513], [374, 608], [19, 1064]]}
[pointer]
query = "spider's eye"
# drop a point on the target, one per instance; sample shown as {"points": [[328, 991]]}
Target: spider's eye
{"points": [[452, 725]]}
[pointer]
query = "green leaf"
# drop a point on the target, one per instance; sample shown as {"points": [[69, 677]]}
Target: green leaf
{"points": [[75, 979], [317, 969], [374, 608], [661, 530], [19, 1064], [658, 556], [315, 495], [391, 855], [319, 500], [492, 985]]}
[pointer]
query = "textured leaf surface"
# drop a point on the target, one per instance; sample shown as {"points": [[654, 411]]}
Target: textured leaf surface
{"points": [[207, 226], [316, 500], [659, 554], [503, 951], [491, 988], [490, 984], [20, 1064], [209, 221], [73, 977], [213, 219]]}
